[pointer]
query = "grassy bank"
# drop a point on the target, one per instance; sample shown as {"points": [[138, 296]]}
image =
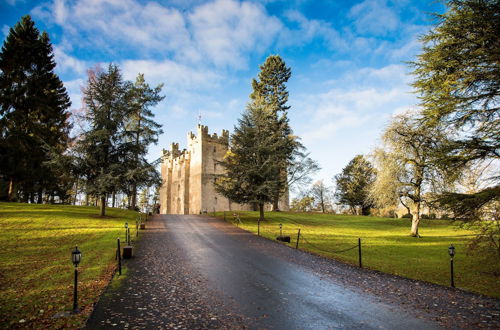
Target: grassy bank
{"points": [[386, 246], [36, 273]]}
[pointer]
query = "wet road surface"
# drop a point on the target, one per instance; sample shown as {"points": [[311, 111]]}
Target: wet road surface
{"points": [[273, 292]]}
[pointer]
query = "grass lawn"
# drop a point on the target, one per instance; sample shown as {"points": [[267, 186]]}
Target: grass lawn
{"points": [[386, 246], [36, 273]]}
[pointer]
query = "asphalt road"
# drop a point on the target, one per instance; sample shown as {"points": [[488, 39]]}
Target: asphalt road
{"points": [[274, 292]]}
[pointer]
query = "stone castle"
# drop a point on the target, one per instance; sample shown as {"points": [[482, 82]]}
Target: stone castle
{"points": [[189, 175]]}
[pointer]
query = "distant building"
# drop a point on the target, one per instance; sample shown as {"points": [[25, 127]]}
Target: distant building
{"points": [[189, 175]]}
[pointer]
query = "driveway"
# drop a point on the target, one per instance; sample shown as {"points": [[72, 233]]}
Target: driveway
{"points": [[199, 272]]}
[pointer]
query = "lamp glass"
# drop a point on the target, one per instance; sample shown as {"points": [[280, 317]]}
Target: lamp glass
{"points": [[451, 250], [76, 256]]}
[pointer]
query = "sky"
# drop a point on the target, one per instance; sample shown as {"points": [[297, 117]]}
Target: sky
{"points": [[348, 60]]}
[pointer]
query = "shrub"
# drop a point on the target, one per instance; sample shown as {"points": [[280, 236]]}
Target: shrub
{"points": [[407, 216]]}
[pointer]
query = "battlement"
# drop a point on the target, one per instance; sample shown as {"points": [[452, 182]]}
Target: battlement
{"points": [[205, 136], [177, 155], [174, 154]]}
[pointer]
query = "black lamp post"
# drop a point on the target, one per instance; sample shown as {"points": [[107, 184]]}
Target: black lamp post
{"points": [[126, 232], [451, 252], [76, 257]]}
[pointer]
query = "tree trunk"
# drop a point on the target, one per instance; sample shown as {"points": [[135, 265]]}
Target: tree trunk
{"points": [[25, 194], [76, 192], [9, 193], [32, 197], [261, 211], [415, 221], [133, 197], [39, 199], [365, 210], [113, 199], [103, 206], [86, 199]]}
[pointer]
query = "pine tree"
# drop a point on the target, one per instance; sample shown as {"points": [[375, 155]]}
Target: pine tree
{"points": [[251, 163], [33, 111], [141, 131], [102, 148], [270, 90]]}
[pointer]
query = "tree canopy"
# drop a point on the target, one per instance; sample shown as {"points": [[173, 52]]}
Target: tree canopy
{"points": [[457, 77], [252, 164], [407, 165], [270, 91], [33, 112], [353, 184]]}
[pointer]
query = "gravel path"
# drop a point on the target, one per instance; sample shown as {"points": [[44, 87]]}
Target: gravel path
{"points": [[161, 291], [164, 289]]}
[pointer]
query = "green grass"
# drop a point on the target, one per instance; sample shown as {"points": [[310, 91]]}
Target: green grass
{"points": [[36, 273], [386, 246]]}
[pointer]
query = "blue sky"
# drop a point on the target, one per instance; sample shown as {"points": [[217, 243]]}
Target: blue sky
{"points": [[347, 57]]}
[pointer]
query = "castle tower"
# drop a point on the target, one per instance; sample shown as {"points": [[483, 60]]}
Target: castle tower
{"points": [[189, 175]]}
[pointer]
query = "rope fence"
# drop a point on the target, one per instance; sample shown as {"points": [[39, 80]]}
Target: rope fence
{"points": [[302, 236], [277, 229]]}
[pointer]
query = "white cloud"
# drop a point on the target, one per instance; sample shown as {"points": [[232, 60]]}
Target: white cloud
{"points": [[308, 30], [374, 17], [360, 97], [223, 32], [175, 76], [74, 89], [5, 30], [67, 63], [227, 30]]}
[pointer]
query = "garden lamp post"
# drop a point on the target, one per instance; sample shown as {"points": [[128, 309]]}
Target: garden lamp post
{"points": [[126, 231], [451, 252], [76, 257]]}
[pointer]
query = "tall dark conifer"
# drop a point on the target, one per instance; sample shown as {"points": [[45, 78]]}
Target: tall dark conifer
{"points": [[270, 90], [252, 162], [102, 149], [33, 111], [140, 132]]}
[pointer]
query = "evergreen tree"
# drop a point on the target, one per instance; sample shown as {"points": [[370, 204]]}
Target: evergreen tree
{"points": [[33, 111], [252, 163], [141, 131], [270, 90], [458, 78], [101, 148], [353, 184]]}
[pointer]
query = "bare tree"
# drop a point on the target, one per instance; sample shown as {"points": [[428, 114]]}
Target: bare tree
{"points": [[321, 194], [406, 166]]}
